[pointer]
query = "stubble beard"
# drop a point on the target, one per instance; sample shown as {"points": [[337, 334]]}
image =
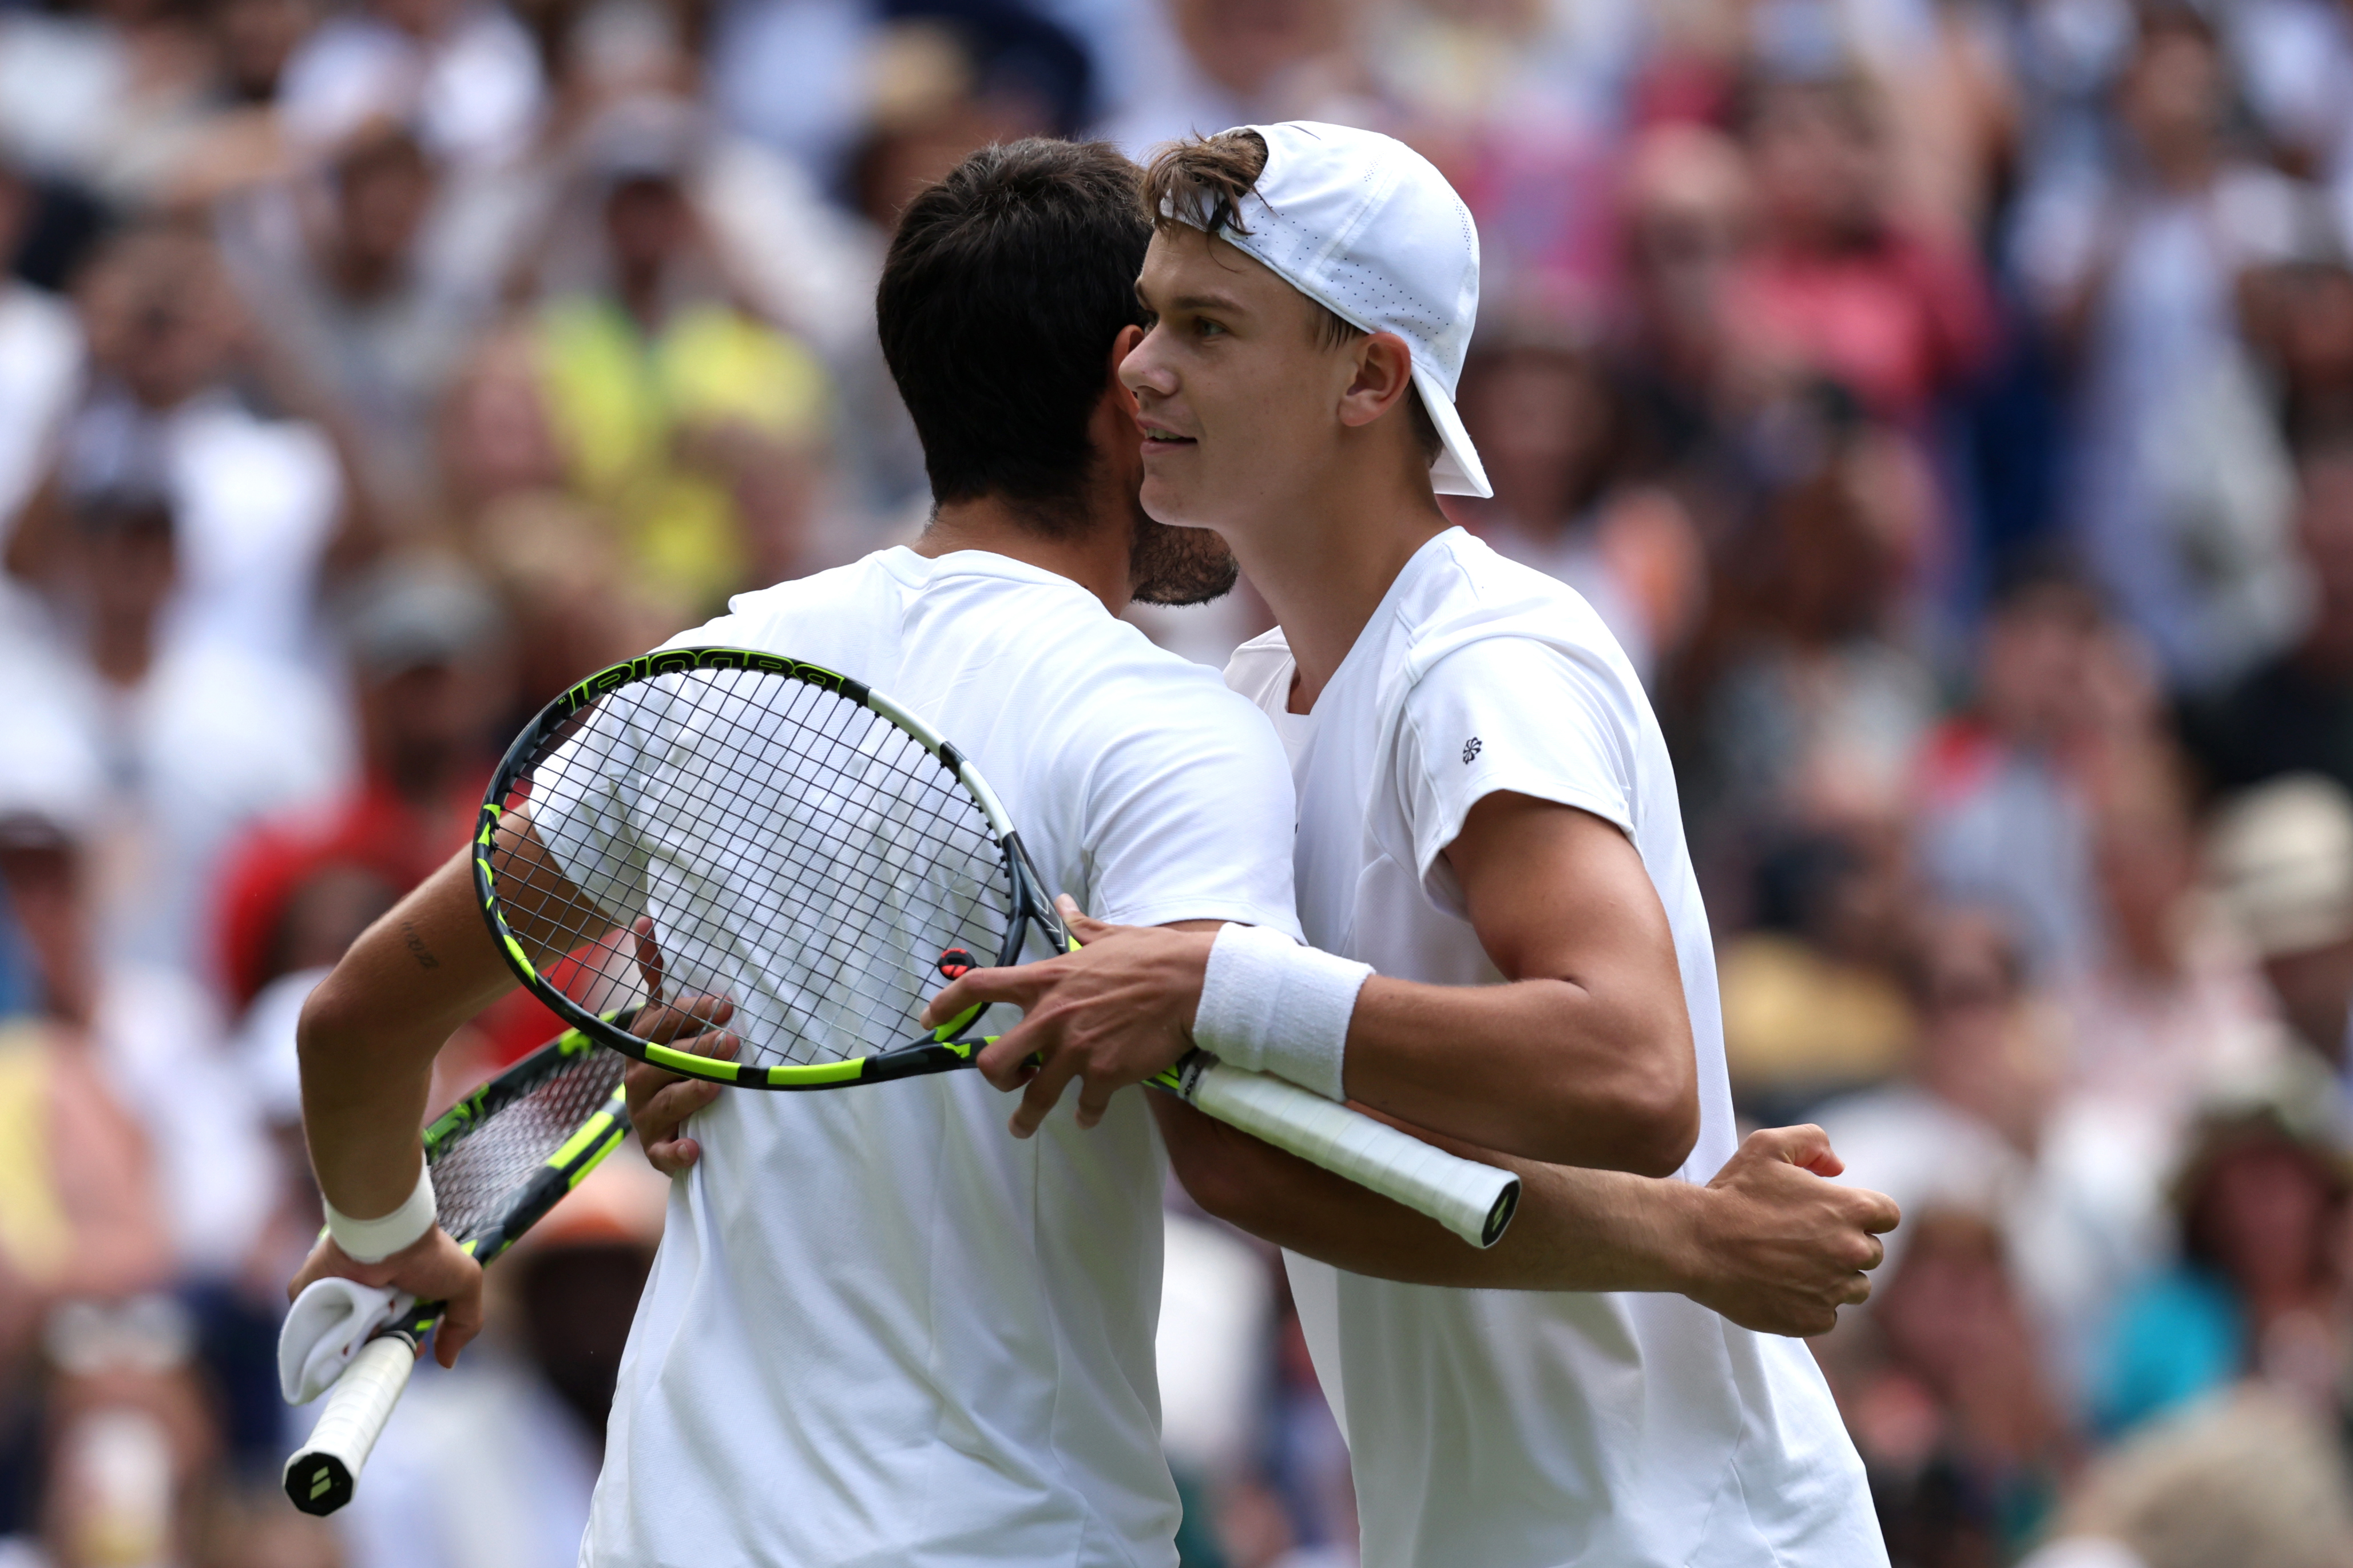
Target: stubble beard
{"points": [[1175, 566]]}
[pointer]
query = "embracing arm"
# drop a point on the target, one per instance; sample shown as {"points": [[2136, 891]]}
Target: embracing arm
{"points": [[1769, 1243], [1582, 1056]]}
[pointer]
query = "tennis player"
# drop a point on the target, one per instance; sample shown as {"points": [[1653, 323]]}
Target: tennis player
{"points": [[1511, 946], [878, 1330]]}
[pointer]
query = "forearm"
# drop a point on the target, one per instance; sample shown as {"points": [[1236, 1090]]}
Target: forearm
{"points": [[1575, 1229], [1547, 1069], [370, 1030]]}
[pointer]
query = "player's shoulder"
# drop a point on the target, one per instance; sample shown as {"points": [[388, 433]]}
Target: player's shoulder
{"points": [[1258, 665], [1468, 611]]}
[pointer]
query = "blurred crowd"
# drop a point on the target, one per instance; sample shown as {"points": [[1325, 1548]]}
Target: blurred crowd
{"points": [[1949, 404]]}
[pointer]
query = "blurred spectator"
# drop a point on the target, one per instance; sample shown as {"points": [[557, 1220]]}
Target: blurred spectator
{"points": [[429, 672], [2255, 1478], [463, 71], [2004, 810], [1239, 62], [2171, 1007], [2181, 489], [1810, 704], [1551, 432], [2281, 856], [192, 740], [1813, 1002], [100, 92], [41, 359], [1948, 1402], [2294, 712], [2259, 1199], [696, 424], [1838, 282], [362, 285], [257, 502]]}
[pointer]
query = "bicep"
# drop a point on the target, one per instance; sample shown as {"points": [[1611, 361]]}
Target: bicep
{"points": [[1555, 892]]}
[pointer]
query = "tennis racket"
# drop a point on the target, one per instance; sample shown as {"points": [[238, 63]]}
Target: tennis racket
{"points": [[807, 848], [500, 1158]]}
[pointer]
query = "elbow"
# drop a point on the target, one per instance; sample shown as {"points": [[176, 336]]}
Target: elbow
{"points": [[1661, 1128], [1642, 1118], [325, 1031]]}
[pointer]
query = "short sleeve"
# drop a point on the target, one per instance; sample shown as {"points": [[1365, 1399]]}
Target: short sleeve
{"points": [[1511, 713], [579, 808], [1188, 813], [582, 794]]}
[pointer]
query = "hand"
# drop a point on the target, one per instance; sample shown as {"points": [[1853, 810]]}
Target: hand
{"points": [[432, 1268], [659, 1101], [1115, 1012], [1779, 1248]]}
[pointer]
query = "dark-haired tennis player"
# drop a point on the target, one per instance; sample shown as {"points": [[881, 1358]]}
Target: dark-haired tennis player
{"points": [[1511, 946], [878, 1330]]}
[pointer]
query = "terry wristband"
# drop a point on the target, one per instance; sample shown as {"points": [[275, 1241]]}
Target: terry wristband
{"points": [[1271, 1005], [373, 1240]]}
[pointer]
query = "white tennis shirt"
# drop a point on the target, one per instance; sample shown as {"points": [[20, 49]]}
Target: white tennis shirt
{"points": [[880, 1330], [1517, 1429]]}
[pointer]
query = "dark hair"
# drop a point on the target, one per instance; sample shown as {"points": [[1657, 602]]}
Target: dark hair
{"points": [[1004, 288], [1200, 182]]}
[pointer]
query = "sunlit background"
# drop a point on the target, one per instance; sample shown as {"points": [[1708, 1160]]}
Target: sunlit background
{"points": [[1948, 402]]}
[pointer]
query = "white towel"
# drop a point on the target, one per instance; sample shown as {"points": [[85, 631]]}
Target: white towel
{"points": [[330, 1321]]}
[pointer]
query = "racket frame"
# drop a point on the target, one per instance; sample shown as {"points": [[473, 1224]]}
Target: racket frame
{"points": [[947, 1049], [321, 1476]]}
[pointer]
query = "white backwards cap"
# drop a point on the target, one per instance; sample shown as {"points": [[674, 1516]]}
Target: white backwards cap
{"points": [[1363, 226]]}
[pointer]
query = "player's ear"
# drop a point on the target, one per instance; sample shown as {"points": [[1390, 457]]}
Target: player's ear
{"points": [[1383, 371], [1121, 347]]}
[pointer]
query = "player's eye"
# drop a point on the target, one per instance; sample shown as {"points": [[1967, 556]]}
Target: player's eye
{"points": [[1205, 327]]}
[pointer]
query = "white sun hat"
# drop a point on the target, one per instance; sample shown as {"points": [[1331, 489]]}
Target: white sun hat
{"points": [[1363, 226]]}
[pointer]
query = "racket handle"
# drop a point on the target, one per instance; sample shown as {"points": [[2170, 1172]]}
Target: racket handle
{"points": [[1473, 1201], [322, 1474]]}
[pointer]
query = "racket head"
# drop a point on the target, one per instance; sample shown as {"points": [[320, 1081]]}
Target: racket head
{"points": [[762, 830], [503, 1155]]}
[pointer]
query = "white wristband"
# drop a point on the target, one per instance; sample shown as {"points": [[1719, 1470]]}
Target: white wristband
{"points": [[1271, 1005], [373, 1240]]}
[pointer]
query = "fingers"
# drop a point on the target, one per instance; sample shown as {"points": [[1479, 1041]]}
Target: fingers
{"points": [[668, 1023], [649, 958], [1083, 926], [985, 987], [1881, 1213], [1807, 1147], [660, 1102], [1005, 1061], [1044, 1089], [1094, 1098], [462, 1319]]}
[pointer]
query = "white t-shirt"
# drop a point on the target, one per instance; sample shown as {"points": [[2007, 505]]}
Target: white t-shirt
{"points": [[880, 1330], [1517, 1429]]}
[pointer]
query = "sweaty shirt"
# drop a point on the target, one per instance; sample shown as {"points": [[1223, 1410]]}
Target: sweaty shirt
{"points": [[1524, 1429], [880, 1330]]}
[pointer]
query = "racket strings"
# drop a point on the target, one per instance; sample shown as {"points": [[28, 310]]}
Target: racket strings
{"points": [[800, 854], [476, 1173]]}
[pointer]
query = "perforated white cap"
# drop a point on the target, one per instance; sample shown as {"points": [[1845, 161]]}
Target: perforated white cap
{"points": [[1363, 226]]}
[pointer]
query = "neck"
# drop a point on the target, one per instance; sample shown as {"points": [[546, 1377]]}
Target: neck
{"points": [[1094, 555], [1325, 565]]}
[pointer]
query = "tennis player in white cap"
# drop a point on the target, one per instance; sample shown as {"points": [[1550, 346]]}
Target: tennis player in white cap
{"points": [[1510, 950]]}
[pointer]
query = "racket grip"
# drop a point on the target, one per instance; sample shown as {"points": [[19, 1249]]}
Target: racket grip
{"points": [[1473, 1201], [325, 1471]]}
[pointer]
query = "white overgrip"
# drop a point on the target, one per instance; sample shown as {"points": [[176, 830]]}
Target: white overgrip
{"points": [[357, 1408], [1473, 1199]]}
